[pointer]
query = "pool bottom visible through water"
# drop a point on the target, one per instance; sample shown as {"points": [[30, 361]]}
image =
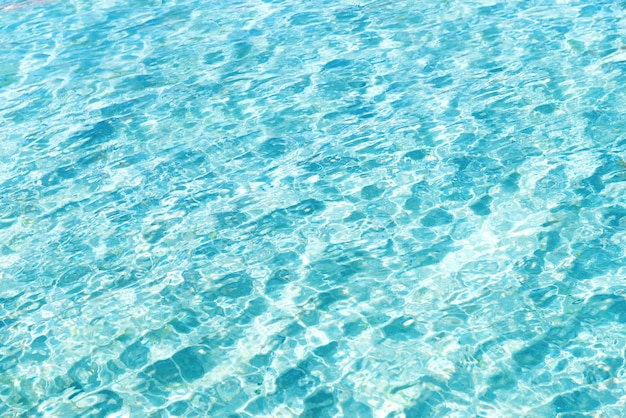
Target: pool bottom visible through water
{"points": [[281, 208]]}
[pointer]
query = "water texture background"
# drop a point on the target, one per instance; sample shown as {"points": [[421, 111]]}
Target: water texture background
{"points": [[329, 208]]}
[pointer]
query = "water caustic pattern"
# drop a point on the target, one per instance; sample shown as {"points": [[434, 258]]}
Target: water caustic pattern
{"points": [[339, 208]]}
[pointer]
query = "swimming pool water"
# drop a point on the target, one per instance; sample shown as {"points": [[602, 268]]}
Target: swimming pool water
{"points": [[332, 208]]}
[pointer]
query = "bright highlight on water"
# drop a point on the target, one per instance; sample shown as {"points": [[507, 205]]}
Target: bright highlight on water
{"points": [[279, 208]]}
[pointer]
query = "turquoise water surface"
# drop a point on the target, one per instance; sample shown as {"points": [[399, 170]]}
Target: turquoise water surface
{"points": [[278, 208]]}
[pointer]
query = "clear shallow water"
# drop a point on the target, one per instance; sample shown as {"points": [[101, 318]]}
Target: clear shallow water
{"points": [[276, 208]]}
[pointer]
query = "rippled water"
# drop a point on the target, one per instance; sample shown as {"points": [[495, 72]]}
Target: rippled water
{"points": [[331, 208]]}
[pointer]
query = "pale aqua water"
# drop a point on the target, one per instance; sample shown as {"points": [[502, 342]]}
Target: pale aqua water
{"points": [[337, 208]]}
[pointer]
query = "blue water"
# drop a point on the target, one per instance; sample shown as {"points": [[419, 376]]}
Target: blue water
{"points": [[332, 208]]}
